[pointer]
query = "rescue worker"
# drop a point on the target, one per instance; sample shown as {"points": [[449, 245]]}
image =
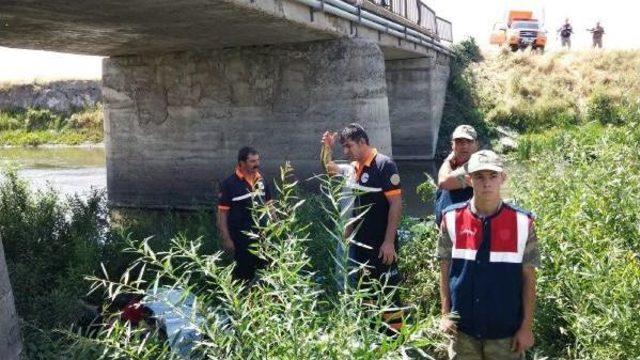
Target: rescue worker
{"points": [[597, 32], [376, 184], [452, 184], [565, 32], [488, 253], [239, 194]]}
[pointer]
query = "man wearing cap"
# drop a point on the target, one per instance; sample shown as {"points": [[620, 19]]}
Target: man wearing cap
{"points": [[239, 194], [376, 183], [452, 184], [488, 253]]}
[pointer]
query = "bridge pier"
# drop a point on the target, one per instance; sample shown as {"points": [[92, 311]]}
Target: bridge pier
{"points": [[174, 122], [416, 91], [10, 342]]}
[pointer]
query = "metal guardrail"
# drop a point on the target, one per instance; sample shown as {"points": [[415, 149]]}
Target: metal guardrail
{"points": [[421, 14], [445, 31]]}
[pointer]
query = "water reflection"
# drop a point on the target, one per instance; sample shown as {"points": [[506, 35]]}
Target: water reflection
{"points": [[414, 173], [68, 170]]}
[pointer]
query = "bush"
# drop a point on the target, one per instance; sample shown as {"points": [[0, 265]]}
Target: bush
{"points": [[10, 120], [285, 314], [603, 107], [50, 247], [87, 119], [461, 103], [41, 119], [584, 184]]}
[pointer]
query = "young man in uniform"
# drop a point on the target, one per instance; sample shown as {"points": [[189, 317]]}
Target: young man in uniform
{"points": [[453, 187], [239, 193], [488, 254], [376, 184]]}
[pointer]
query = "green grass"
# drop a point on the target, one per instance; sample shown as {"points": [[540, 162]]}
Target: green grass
{"points": [[584, 184], [576, 166], [33, 127], [536, 92], [531, 93]]}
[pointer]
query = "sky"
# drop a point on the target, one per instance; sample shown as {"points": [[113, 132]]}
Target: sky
{"points": [[469, 17]]}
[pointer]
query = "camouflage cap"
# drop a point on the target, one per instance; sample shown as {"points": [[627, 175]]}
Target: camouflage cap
{"points": [[485, 160], [465, 132]]}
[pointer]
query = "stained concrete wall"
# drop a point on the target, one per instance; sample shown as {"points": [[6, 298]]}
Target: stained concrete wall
{"points": [[10, 344], [416, 91], [174, 122]]}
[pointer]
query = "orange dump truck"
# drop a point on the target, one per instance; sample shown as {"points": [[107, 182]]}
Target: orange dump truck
{"points": [[519, 32]]}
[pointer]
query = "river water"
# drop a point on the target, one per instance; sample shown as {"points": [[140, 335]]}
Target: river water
{"points": [[73, 170]]}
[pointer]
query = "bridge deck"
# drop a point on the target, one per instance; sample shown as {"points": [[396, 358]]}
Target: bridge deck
{"points": [[124, 27]]}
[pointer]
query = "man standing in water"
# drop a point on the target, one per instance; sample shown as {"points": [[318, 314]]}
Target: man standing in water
{"points": [[239, 193], [376, 183], [453, 187], [488, 253]]}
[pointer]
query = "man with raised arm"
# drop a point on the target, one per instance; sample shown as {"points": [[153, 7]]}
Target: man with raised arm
{"points": [[376, 184]]}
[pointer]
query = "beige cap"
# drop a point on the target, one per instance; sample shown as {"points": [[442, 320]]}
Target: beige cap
{"points": [[465, 132], [485, 160]]}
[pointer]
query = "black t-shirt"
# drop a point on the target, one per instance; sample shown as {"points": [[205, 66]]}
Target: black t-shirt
{"points": [[238, 196], [566, 31], [377, 180]]}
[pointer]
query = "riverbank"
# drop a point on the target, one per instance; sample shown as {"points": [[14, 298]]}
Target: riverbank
{"points": [[521, 93], [581, 178], [37, 127], [582, 182]]}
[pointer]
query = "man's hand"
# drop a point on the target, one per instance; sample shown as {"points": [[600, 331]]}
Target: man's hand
{"points": [[329, 138], [228, 246], [332, 168], [522, 340], [387, 253], [448, 326]]}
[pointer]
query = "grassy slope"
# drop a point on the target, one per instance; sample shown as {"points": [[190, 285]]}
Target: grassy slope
{"points": [[533, 92]]}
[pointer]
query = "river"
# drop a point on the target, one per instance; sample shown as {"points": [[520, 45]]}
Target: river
{"points": [[79, 170]]}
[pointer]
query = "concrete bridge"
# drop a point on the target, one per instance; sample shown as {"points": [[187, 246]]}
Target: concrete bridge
{"points": [[187, 83]]}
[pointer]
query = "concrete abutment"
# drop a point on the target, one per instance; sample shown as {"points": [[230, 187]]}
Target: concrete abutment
{"points": [[174, 122]]}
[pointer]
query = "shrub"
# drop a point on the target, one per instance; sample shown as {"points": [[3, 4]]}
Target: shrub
{"points": [[10, 121], [87, 119], [285, 314], [50, 247], [41, 119], [584, 184]]}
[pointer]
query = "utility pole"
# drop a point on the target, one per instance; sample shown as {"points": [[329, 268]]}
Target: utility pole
{"points": [[10, 342]]}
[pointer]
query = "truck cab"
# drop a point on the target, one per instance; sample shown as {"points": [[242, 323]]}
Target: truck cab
{"points": [[519, 32]]}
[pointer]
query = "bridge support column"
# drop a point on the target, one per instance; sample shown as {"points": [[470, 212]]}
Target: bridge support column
{"points": [[416, 90], [10, 343], [174, 122]]}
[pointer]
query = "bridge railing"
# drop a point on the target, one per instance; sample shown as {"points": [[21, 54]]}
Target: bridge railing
{"points": [[416, 11], [445, 31], [427, 17]]}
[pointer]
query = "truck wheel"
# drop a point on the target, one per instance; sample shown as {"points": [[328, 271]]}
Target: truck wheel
{"points": [[514, 48]]}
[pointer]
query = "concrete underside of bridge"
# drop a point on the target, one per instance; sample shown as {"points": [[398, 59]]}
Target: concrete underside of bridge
{"points": [[127, 27], [174, 122]]}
